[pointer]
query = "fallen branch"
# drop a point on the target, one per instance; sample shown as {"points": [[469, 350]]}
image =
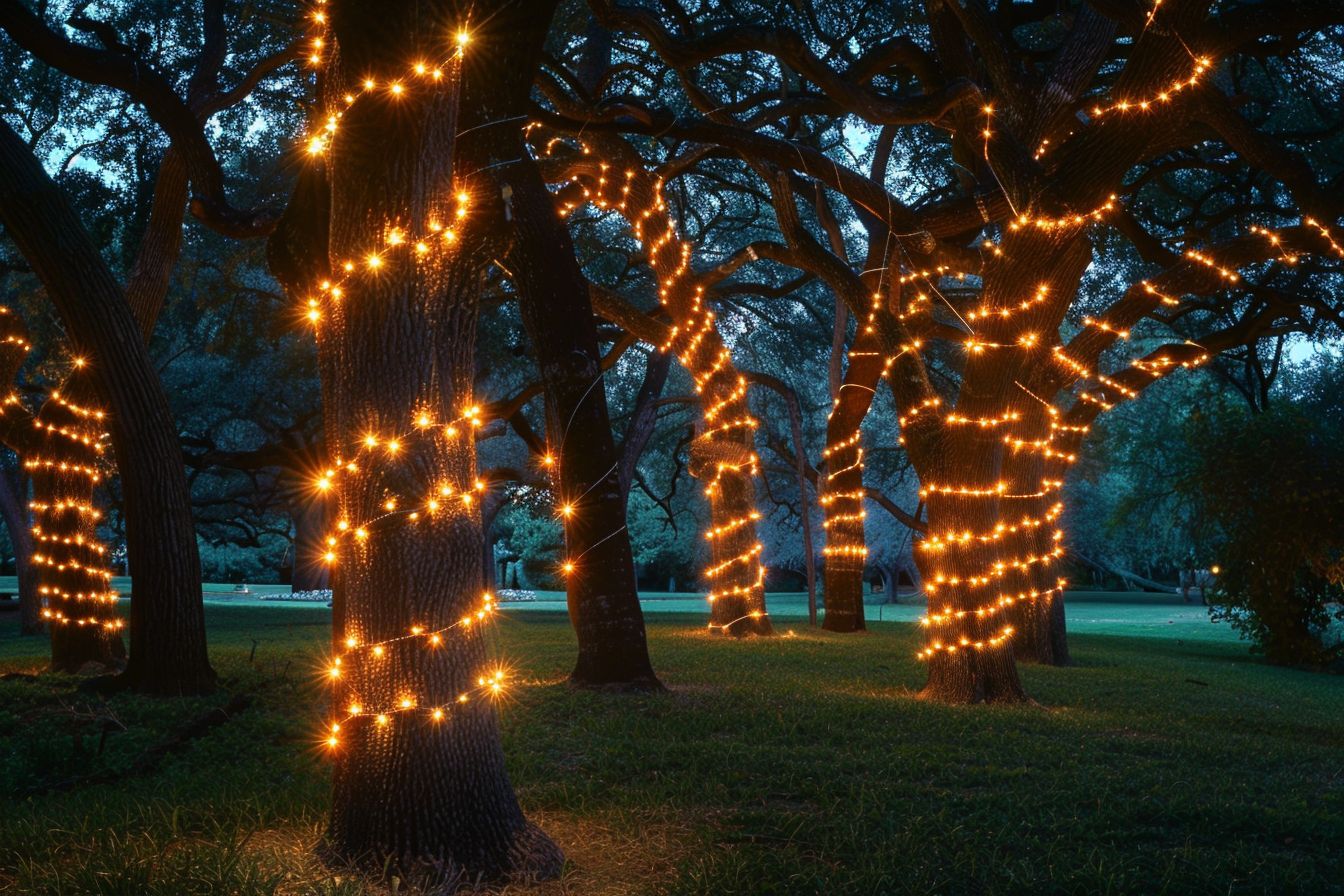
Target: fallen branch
{"points": [[1125, 575]]}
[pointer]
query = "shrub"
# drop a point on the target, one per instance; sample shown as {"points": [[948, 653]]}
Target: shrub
{"points": [[1268, 490]]}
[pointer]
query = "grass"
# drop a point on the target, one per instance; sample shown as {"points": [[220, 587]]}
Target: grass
{"points": [[793, 765]]}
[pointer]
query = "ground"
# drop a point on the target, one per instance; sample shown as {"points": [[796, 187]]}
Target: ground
{"points": [[1167, 760]]}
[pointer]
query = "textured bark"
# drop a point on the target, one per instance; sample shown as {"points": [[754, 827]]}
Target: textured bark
{"points": [[168, 653], [414, 796], [601, 590], [843, 493], [841, 489], [1038, 616], [61, 449], [989, 472], [14, 509], [959, 671], [845, 552], [150, 275]]}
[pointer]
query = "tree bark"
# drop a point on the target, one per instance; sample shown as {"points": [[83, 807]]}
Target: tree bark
{"points": [[970, 655], [14, 509], [989, 484], [600, 582], [75, 580], [842, 493], [419, 787], [1038, 612], [168, 654], [310, 527]]}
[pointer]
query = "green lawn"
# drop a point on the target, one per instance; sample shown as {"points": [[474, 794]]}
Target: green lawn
{"points": [[1157, 764]]}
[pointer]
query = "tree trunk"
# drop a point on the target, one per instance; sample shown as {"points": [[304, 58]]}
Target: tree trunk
{"points": [[970, 655], [988, 471], [1038, 610], [491, 505], [644, 419], [419, 787], [600, 582], [61, 449], [310, 528], [722, 454], [842, 493], [168, 653], [804, 505], [845, 554], [74, 578], [970, 635], [14, 508]]}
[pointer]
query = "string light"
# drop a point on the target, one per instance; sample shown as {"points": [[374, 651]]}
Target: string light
{"points": [[1201, 66], [721, 452], [1043, 222], [1157, 100], [62, 449], [364, 659]]}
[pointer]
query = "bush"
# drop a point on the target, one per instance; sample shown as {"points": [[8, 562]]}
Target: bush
{"points": [[1268, 490]]}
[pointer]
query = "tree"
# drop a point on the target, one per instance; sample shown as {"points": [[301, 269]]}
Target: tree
{"points": [[600, 572], [998, 358], [612, 177], [109, 322], [61, 448], [390, 232]]}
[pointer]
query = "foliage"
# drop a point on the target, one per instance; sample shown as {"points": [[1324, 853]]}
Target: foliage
{"points": [[1124, 508], [537, 538], [1269, 493]]}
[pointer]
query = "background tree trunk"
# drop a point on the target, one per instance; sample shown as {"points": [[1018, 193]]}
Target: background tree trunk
{"points": [[61, 449], [168, 654], [553, 299], [74, 578], [310, 528], [842, 489], [14, 509], [722, 454]]}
